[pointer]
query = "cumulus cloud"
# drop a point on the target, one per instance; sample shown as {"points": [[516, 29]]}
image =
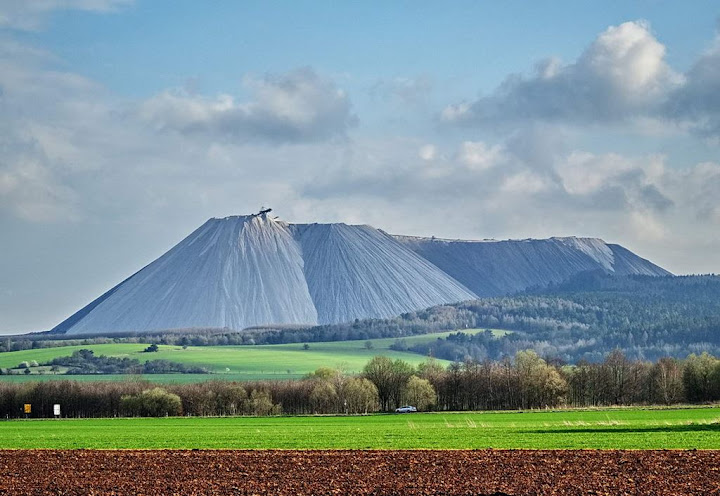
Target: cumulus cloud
{"points": [[700, 187], [70, 148], [427, 152], [82, 172], [636, 200], [29, 187], [140, 174], [576, 180], [622, 74], [30, 14], [39, 136], [297, 106], [478, 155], [696, 104], [525, 182], [629, 190]]}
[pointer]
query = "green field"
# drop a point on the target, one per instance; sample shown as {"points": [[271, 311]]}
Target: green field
{"points": [[562, 429], [282, 361]]}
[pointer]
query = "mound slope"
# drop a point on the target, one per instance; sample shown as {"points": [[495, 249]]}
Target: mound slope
{"points": [[494, 268], [358, 271], [254, 270], [234, 272]]}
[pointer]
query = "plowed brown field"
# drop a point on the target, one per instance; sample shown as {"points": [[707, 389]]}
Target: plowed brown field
{"points": [[359, 472]]}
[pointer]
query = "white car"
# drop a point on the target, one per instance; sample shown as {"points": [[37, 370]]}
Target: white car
{"points": [[406, 409]]}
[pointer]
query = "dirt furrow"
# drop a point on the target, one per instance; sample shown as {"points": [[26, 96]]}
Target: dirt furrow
{"points": [[359, 472]]}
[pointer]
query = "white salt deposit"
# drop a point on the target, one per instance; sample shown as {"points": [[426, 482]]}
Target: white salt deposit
{"points": [[234, 272], [493, 268], [245, 271], [359, 272]]}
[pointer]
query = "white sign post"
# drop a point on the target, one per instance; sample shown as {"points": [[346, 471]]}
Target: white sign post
{"points": [[56, 410]]}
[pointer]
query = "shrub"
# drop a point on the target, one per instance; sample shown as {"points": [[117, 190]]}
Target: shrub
{"points": [[155, 402], [420, 393], [324, 398], [260, 403], [230, 398], [360, 396]]}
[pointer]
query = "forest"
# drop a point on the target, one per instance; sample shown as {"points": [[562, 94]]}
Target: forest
{"points": [[588, 317], [584, 318], [85, 362], [525, 381]]}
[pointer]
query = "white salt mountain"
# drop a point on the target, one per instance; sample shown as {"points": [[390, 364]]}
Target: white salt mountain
{"points": [[245, 271], [253, 270], [493, 268], [234, 272], [355, 272]]}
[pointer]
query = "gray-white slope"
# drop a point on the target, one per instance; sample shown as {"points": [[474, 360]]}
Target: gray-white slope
{"points": [[361, 272], [626, 262], [234, 272], [492, 268], [240, 271]]}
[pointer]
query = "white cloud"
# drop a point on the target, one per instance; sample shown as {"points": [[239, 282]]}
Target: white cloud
{"points": [[647, 226], [293, 107], [622, 74], [29, 187], [638, 201], [628, 59], [459, 112], [696, 104], [478, 155], [584, 173], [30, 14], [525, 183], [106, 172], [698, 188], [427, 152], [631, 191]]}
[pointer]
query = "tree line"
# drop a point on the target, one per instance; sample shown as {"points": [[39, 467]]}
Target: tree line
{"points": [[85, 362], [583, 318], [526, 381]]}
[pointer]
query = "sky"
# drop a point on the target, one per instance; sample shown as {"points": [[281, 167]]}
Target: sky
{"points": [[125, 124]]}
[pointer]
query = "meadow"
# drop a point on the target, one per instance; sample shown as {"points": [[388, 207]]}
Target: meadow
{"points": [[620, 428], [282, 361]]}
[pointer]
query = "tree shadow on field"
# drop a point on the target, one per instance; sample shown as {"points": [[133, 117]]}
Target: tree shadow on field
{"points": [[624, 429]]}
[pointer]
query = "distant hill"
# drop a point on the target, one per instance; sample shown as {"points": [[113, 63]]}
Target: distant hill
{"points": [[583, 318], [244, 271]]}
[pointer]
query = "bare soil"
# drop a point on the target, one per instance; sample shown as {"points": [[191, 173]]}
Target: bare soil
{"points": [[498, 472]]}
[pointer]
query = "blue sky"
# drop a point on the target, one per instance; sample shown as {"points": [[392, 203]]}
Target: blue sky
{"points": [[125, 124], [159, 44]]}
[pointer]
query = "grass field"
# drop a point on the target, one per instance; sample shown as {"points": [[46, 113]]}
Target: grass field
{"points": [[562, 429], [284, 361]]}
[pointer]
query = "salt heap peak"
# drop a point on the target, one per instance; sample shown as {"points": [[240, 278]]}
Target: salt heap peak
{"points": [[256, 270]]}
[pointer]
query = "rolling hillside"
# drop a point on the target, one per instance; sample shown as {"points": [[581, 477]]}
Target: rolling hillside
{"points": [[284, 361]]}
